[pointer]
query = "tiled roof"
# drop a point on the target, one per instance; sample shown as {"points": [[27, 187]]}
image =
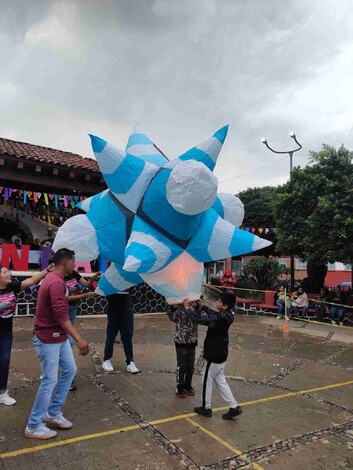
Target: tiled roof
{"points": [[46, 155]]}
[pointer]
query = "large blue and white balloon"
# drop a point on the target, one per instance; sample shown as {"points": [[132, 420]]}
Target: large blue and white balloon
{"points": [[159, 220]]}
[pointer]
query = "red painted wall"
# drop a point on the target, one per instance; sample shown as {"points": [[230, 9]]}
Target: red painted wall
{"points": [[336, 277]]}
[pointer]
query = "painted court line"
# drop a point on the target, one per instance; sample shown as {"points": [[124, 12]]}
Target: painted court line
{"points": [[29, 450], [65, 442], [289, 394], [224, 443]]}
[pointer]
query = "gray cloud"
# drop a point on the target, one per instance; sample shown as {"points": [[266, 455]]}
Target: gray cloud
{"points": [[181, 69]]}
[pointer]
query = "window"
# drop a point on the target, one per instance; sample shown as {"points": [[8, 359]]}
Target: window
{"points": [[339, 267], [219, 268], [300, 264], [282, 261], [236, 266]]}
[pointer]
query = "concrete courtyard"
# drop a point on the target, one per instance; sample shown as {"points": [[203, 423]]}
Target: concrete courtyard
{"points": [[296, 390]]}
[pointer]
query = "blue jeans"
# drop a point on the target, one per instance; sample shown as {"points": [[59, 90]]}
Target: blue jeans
{"points": [[52, 392], [296, 312], [339, 312], [72, 316], [5, 354], [280, 306]]}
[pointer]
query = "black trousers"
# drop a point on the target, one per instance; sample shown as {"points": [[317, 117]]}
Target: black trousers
{"points": [[5, 354], [120, 320], [185, 366]]}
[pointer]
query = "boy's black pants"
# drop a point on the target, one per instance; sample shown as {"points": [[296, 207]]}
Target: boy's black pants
{"points": [[185, 365]]}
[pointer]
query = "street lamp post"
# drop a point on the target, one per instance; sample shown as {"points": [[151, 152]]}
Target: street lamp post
{"points": [[290, 153]]}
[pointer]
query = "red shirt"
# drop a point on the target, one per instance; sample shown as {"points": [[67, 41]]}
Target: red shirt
{"points": [[52, 310], [228, 281]]}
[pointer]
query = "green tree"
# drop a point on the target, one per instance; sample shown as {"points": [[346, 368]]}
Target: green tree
{"points": [[259, 206], [264, 272], [259, 212], [314, 212]]}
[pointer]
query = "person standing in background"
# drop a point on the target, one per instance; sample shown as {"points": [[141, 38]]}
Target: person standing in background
{"points": [[120, 318], [228, 280]]}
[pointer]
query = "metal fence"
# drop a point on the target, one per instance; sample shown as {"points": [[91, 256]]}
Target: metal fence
{"points": [[143, 300]]}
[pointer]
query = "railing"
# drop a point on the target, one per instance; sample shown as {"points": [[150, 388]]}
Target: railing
{"points": [[26, 306], [143, 299]]}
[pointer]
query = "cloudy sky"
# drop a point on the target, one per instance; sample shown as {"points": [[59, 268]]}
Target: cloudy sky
{"points": [[180, 69]]}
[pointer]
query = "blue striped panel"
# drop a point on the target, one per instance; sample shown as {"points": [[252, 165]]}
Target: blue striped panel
{"points": [[241, 242], [143, 253], [156, 159], [157, 208], [133, 278], [198, 155], [106, 287], [138, 139], [198, 246], [98, 144], [110, 225], [143, 227], [109, 289], [94, 200], [121, 181], [221, 134], [218, 207]]}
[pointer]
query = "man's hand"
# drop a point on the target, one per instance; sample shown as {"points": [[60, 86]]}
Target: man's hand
{"points": [[88, 295], [95, 277], [83, 347], [186, 303]]}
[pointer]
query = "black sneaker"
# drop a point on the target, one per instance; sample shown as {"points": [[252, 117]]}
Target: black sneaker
{"points": [[190, 391], [200, 410], [232, 413], [72, 386]]}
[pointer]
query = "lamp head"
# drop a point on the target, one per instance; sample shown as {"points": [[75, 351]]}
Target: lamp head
{"points": [[264, 140], [292, 135]]}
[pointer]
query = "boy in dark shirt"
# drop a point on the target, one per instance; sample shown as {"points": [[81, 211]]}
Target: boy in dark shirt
{"points": [[185, 338], [215, 351]]}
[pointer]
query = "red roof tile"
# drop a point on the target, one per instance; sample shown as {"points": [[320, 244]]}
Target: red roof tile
{"points": [[46, 155]]}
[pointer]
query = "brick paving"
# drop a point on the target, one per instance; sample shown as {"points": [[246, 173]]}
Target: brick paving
{"points": [[124, 421]]}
